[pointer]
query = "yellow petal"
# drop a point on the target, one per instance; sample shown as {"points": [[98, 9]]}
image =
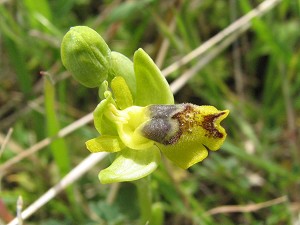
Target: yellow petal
{"points": [[131, 165], [105, 143]]}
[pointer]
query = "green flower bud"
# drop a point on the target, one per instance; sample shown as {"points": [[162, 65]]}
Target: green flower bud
{"points": [[86, 55]]}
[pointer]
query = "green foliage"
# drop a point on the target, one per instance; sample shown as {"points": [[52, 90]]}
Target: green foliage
{"points": [[59, 146], [258, 162]]}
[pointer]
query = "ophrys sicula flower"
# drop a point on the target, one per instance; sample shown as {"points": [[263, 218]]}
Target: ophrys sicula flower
{"points": [[137, 117]]}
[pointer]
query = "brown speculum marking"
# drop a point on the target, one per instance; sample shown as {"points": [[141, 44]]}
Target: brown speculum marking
{"points": [[208, 124], [159, 128], [186, 120]]}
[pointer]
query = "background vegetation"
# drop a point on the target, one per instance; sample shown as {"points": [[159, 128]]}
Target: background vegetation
{"points": [[257, 78]]}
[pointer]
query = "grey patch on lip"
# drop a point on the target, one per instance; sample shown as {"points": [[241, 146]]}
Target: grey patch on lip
{"points": [[164, 126], [162, 111], [157, 129]]}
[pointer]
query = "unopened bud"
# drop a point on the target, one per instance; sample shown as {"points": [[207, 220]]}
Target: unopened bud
{"points": [[86, 55]]}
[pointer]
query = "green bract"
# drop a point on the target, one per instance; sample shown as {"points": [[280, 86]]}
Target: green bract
{"points": [[137, 117], [122, 66], [151, 86]]}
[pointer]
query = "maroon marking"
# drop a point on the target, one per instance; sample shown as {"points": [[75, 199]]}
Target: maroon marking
{"points": [[184, 121], [208, 124]]}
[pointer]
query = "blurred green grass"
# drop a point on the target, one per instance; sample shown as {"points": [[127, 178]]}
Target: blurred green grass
{"points": [[260, 160]]}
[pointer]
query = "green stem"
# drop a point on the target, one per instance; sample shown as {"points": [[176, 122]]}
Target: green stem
{"points": [[145, 199]]}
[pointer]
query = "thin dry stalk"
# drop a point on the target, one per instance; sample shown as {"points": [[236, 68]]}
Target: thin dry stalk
{"points": [[247, 208], [89, 162], [9, 133], [105, 13], [24, 109], [19, 210], [184, 78], [112, 193], [7, 121], [50, 39], [261, 9], [236, 54], [45, 142], [165, 45], [11, 144], [290, 114]]}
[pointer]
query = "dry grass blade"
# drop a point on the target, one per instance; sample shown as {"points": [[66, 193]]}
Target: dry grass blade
{"points": [[184, 78], [10, 119], [5, 141], [238, 24], [71, 177], [45, 142], [165, 45], [19, 210], [247, 208]]}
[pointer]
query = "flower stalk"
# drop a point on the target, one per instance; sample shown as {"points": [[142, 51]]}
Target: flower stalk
{"points": [[145, 199]]}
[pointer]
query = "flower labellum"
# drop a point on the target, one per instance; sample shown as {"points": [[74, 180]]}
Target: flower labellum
{"points": [[184, 132]]}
